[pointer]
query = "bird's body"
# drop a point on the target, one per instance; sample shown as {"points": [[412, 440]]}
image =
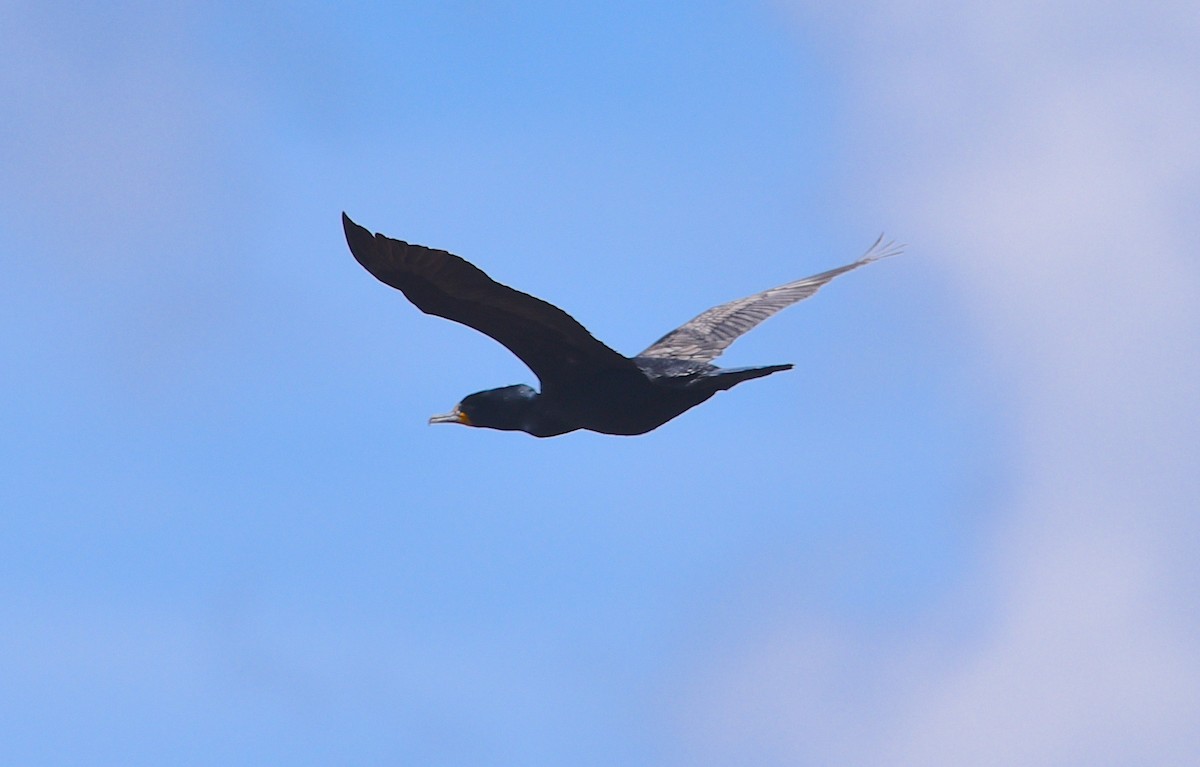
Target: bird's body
{"points": [[623, 402], [585, 384]]}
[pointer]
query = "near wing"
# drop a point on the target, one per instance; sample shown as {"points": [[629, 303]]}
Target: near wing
{"points": [[706, 336], [554, 346]]}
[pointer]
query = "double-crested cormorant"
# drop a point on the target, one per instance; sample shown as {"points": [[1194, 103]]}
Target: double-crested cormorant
{"points": [[585, 384]]}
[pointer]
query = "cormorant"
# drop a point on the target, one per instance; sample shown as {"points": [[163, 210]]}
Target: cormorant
{"points": [[585, 384]]}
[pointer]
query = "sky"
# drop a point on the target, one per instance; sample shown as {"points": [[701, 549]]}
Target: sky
{"points": [[961, 531]]}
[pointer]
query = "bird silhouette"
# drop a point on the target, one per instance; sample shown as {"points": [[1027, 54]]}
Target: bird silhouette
{"points": [[584, 383]]}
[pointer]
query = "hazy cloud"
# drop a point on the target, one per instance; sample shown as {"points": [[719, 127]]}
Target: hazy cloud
{"points": [[1045, 156]]}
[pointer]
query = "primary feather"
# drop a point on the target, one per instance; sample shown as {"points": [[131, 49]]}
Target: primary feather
{"points": [[706, 336]]}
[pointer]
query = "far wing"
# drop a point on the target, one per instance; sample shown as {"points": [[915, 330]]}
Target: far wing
{"points": [[705, 337], [555, 347]]}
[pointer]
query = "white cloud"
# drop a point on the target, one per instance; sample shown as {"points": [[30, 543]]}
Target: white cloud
{"points": [[1045, 154], [1086, 665]]}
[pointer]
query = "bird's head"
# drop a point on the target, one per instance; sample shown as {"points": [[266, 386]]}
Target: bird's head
{"points": [[507, 408]]}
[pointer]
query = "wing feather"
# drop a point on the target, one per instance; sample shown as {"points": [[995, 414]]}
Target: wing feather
{"points": [[704, 337], [553, 344]]}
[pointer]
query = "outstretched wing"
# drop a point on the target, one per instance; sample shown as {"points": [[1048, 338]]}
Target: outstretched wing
{"points": [[705, 337], [555, 347]]}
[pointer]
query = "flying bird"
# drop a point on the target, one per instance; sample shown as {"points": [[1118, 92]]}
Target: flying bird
{"points": [[584, 383]]}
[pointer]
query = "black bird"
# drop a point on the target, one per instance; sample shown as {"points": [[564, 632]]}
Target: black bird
{"points": [[585, 384]]}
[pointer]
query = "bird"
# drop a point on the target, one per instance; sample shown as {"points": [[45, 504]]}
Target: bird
{"points": [[584, 383]]}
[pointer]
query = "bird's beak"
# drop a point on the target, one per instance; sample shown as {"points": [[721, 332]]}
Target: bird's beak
{"points": [[454, 416]]}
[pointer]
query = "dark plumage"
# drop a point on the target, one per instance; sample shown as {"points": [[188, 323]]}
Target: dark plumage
{"points": [[585, 384]]}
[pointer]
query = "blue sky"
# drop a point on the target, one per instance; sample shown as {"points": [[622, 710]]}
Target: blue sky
{"points": [[960, 531]]}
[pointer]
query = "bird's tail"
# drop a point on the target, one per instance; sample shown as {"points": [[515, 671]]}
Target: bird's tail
{"points": [[727, 379]]}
